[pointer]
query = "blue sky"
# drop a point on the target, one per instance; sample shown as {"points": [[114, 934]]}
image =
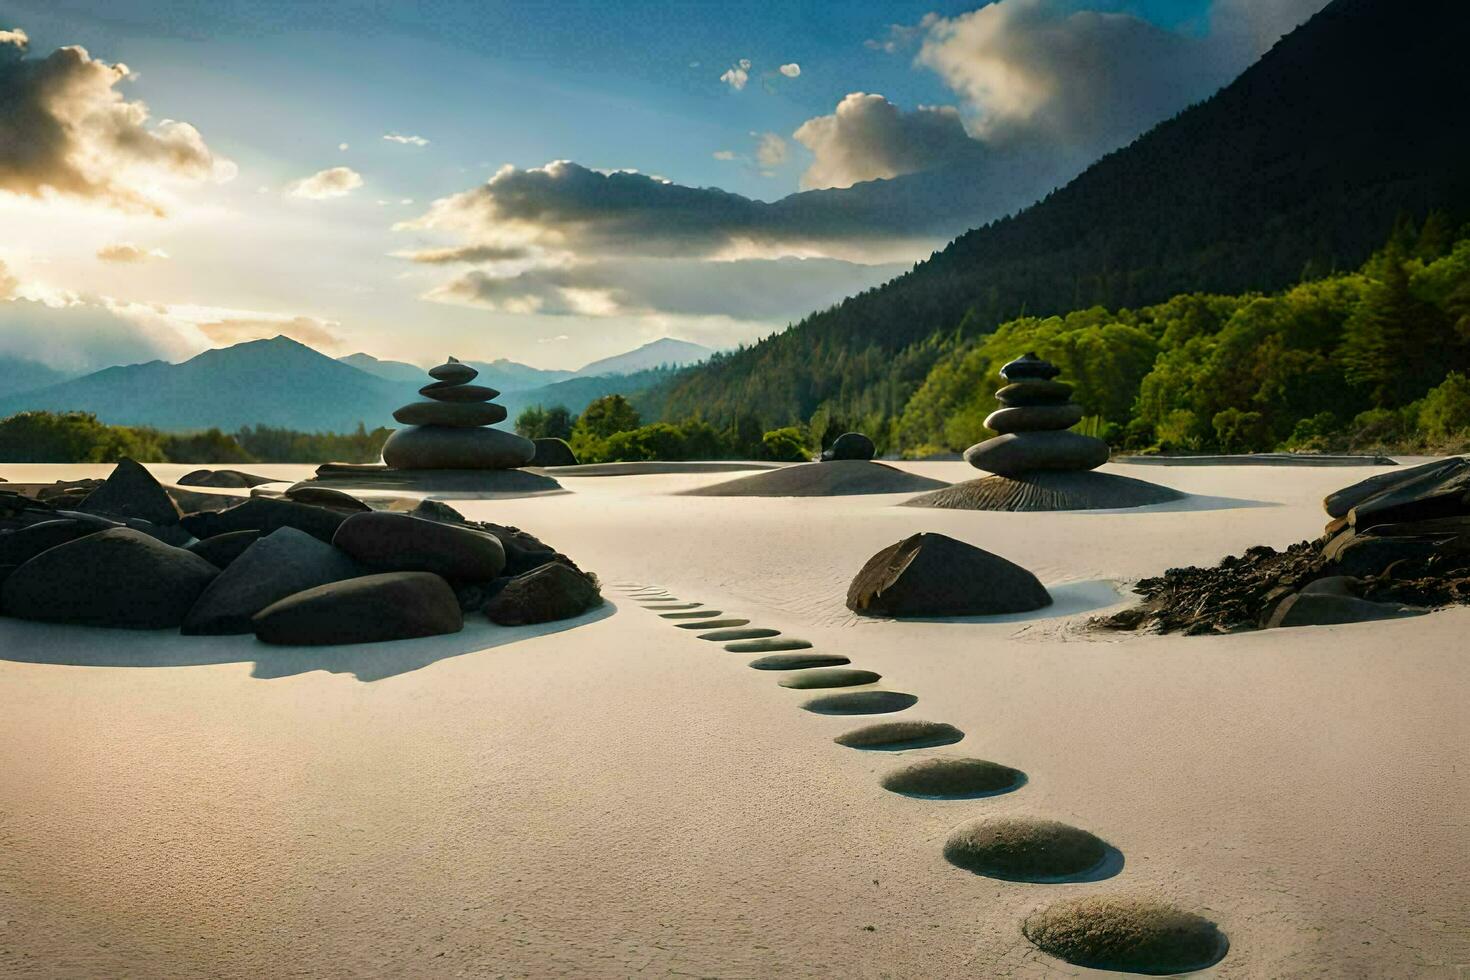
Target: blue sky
{"points": [[276, 89]]}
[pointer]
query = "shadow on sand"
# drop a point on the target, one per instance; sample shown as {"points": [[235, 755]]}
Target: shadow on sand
{"points": [[1067, 599], [83, 646]]}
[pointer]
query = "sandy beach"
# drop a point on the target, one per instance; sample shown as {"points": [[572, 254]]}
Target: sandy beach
{"points": [[612, 796]]}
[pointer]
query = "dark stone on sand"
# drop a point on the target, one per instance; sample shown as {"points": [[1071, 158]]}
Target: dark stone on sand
{"points": [[371, 609], [840, 477], [1428, 496], [897, 736], [222, 549], [1034, 418], [553, 452], [797, 661], [748, 633], [1365, 554], [861, 703], [20, 546], [816, 678], [1326, 609], [550, 592], [265, 514], [118, 578], [234, 479], [770, 645], [849, 445], [446, 391], [282, 563], [386, 542], [1024, 849], [1126, 934], [712, 624], [696, 614], [1016, 453], [438, 510], [934, 575], [678, 605], [440, 447], [967, 778], [131, 491], [1339, 502], [1048, 490], [1034, 393], [456, 414], [453, 372], [1029, 366], [306, 493]]}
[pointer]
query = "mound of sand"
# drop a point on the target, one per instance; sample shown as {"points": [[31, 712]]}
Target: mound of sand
{"points": [[1046, 490], [663, 466], [1127, 934], [835, 478], [1260, 459]]}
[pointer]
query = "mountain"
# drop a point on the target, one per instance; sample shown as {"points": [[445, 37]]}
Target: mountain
{"points": [[276, 382], [575, 394], [396, 371], [660, 353], [18, 374], [1299, 166], [500, 374]]}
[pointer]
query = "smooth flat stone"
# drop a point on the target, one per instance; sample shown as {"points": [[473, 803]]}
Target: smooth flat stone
{"points": [[797, 661], [861, 703], [898, 736], [1029, 366], [459, 414], [1021, 848], [1127, 934], [712, 624], [1034, 418], [454, 372], [699, 614], [371, 609], [1034, 392], [680, 605], [804, 680], [954, 779], [444, 391], [1022, 452], [753, 633], [770, 645], [438, 447]]}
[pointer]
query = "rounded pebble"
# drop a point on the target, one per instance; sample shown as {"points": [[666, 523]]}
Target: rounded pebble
{"points": [[1128, 934], [712, 624], [697, 614], [861, 703], [954, 778], [796, 661], [770, 645], [1024, 849], [750, 633], [895, 736], [829, 677]]}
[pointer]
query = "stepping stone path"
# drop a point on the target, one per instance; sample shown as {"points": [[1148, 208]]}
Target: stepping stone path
{"points": [[1126, 933]]}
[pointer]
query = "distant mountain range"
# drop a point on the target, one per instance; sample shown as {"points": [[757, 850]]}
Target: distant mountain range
{"points": [[1300, 166], [286, 384]]}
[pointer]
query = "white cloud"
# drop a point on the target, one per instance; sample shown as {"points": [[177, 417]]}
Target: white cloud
{"points": [[324, 184], [342, 146], [724, 154], [8, 283], [405, 140], [128, 252], [771, 150], [68, 131], [88, 334], [792, 70], [870, 138], [309, 330], [737, 74]]}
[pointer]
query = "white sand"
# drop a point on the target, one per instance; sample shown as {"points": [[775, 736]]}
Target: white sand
{"points": [[621, 798]]}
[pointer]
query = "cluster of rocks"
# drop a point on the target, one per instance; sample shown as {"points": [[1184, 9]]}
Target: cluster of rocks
{"points": [[323, 568], [935, 575], [1397, 544], [451, 428], [849, 445]]}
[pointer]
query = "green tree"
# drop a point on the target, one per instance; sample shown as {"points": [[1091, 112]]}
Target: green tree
{"points": [[607, 415], [785, 445]]}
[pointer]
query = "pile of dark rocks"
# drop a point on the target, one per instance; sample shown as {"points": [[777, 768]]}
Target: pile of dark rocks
{"points": [[1397, 544], [318, 567]]}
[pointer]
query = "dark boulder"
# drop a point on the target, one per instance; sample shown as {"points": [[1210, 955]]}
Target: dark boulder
{"points": [[935, 575], [318, 496], [222, 478], [1370, 555], [1432, 494], [438, 510], [371, 609], [1339, 502], [20, 546], [266, 514], [222, 549], [131, 491], [1322, 608], [553, 452], [119, 577], [1017, 453], [548, 592], [849, 445], [282, 563], [523, 550], [389, 542]]}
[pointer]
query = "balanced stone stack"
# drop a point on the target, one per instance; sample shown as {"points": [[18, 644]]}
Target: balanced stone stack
{"points": [[451, 429], [1036, 412]]}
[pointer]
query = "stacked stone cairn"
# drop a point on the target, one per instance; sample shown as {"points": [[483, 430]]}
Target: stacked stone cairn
{"points": [[450, 430]]}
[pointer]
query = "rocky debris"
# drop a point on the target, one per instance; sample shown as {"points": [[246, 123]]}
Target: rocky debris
{"points": [[849, 445], [371, 609], [1398, 545], [931, 574], [282, 563], [118, 577], [222, 549], [266, 514], [449, 430], [386, 542], [131, 491], [553, 452], [548, 592], [231, 479]]}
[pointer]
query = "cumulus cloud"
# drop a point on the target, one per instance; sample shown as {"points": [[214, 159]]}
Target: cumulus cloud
{"points": [[405, 140], [724, 154], [87, 335], [468, 254], [771, 150], [8, 283], [66, 130], [329, 183], [308, 330], [870, 138], [128, 252], [737, 74], [792, 70]]}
